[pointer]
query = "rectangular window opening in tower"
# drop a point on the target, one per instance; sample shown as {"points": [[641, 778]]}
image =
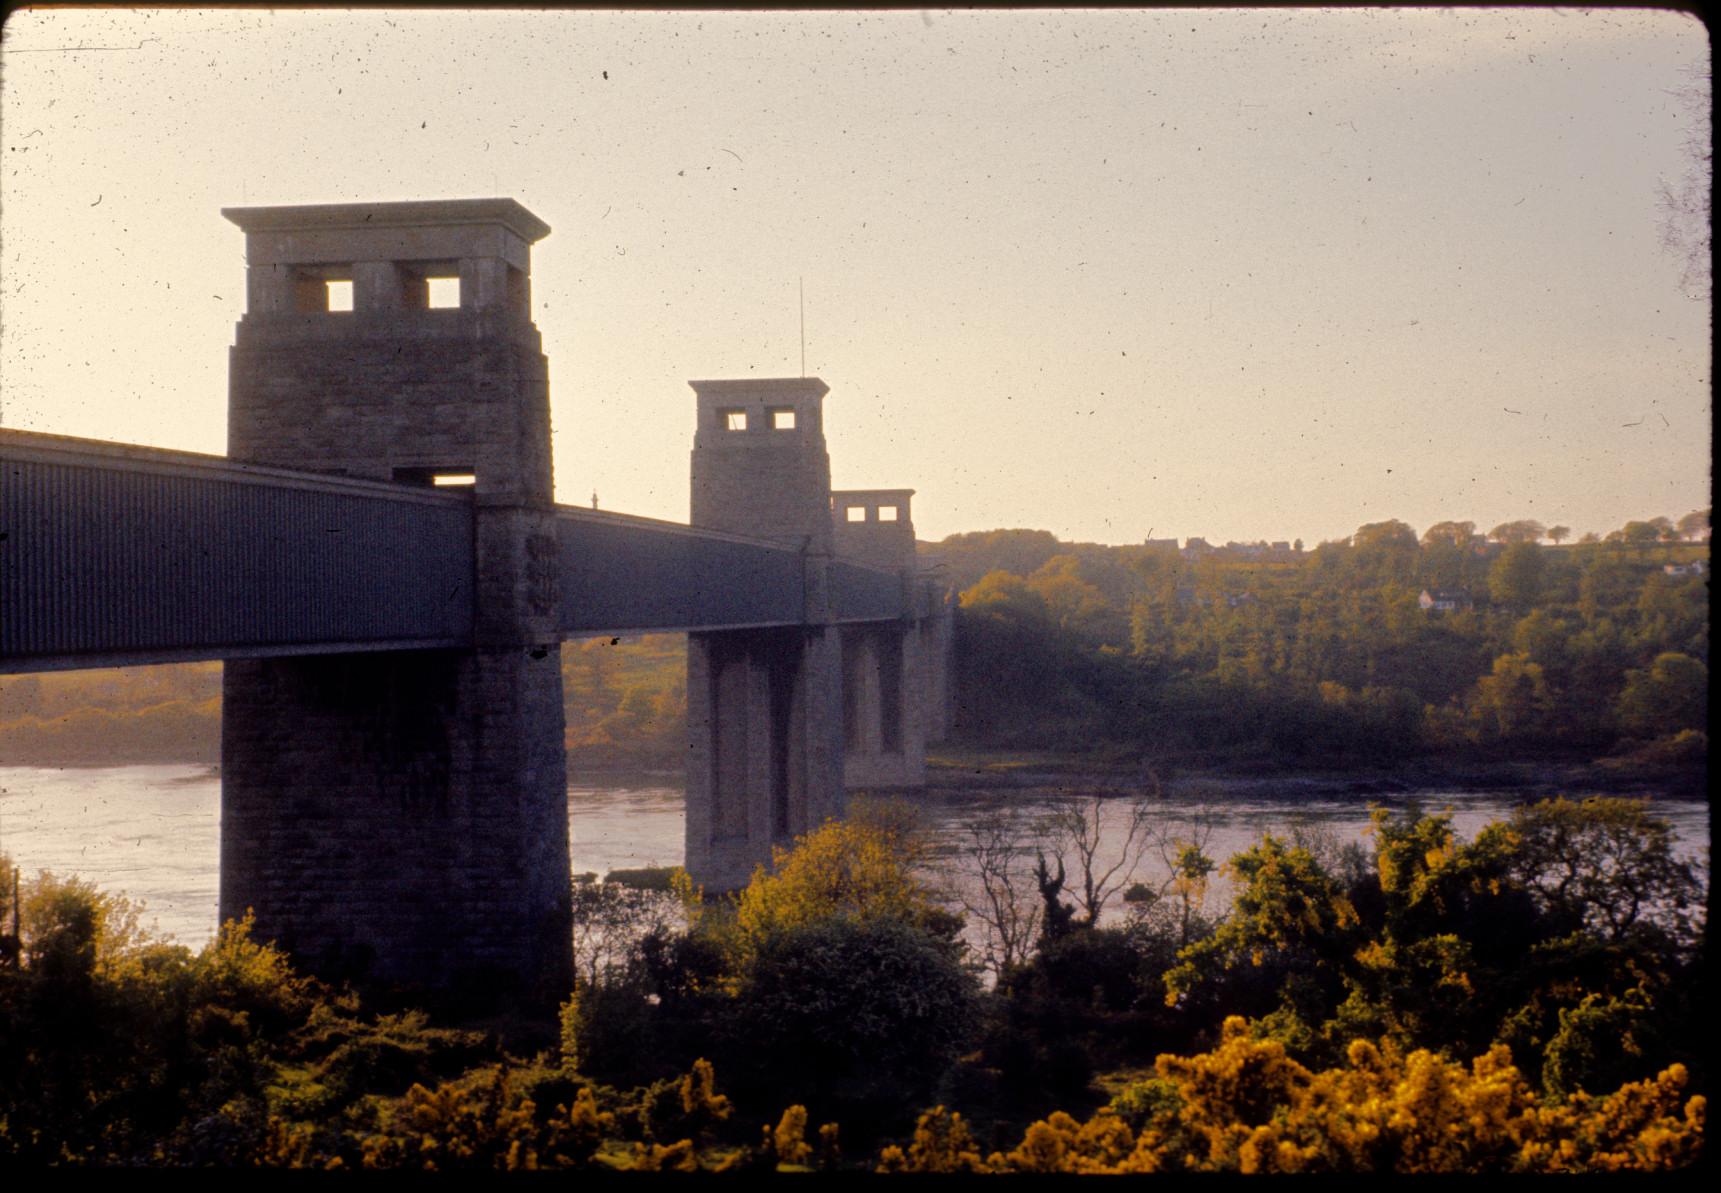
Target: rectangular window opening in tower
{"points": [[732, 419], [447, 476], [444, 293], [339, 295], [855, 513], [887, 513], [782, 418]]}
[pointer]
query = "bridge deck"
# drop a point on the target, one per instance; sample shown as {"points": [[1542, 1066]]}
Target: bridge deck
{"points": [[113, 555]]}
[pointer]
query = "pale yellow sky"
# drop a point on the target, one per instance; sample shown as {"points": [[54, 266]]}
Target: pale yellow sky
{"points": [[1234, 273]]}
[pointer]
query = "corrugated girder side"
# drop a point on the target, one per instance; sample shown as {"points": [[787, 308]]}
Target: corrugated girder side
{"points": [[115, 555]]}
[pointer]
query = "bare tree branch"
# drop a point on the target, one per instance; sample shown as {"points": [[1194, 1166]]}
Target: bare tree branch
{"points": [[1004, 906]]}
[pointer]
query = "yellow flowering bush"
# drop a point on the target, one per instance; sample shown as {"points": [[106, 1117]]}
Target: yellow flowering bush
{"points": [[789, 1140], [1247, 1107], [845, 870], [942, 1143]]}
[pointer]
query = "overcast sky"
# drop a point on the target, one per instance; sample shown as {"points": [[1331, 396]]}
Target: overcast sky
{"points": [[1242, 274]]}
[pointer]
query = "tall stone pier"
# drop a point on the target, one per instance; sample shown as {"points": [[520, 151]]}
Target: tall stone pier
{"points": [[402, 815], [764, 706], [885, 680]]}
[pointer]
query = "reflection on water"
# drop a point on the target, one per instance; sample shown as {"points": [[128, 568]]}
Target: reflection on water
{"points": [[148, 832], [151, 832], [622, 828]]}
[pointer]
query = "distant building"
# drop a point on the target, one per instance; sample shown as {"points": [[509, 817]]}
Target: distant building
{"points": [[1161, 544], [1694, 568], [1447, 600]]}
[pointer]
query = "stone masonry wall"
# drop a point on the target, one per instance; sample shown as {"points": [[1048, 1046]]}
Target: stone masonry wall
{"points": [[422, 389], [400, 815]]}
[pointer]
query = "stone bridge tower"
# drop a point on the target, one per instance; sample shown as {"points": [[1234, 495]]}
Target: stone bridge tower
{"points": [[394, 341], [765, 759]]}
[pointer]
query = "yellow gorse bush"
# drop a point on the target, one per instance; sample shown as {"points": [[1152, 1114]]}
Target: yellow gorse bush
{"points": [[1248, 1107], [942, 1143], [845, 870], [789, 1140]]}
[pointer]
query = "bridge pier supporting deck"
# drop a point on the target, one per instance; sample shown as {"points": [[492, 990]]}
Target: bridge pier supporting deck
{"points": [[400, 815], [884, 742], [764, 707], [404, 814], [765, 756], [889, 678]]}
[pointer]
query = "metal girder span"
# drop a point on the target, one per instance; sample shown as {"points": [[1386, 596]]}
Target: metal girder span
{"points": [[625, 573], [114, 555], [866, 594]]}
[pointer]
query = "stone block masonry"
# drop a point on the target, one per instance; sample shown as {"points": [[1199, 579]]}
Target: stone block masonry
{"points": [[400, 815]]}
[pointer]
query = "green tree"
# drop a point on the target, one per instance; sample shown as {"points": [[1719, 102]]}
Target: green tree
{"points": [[1545, 638], [855, 1020], [1637, 532], [1559, 534], [1694, 525], [1515, 578], [1002, 595], [1442, 565], [1075, 606], [1456, 533], [1524, 530], [1290, 919], [1606, 866], [1512, 700], [1671, 694], [1608, 585], [1385, 551]]}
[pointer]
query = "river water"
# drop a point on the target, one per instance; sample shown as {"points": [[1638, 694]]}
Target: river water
{"points": [[152, 832]]}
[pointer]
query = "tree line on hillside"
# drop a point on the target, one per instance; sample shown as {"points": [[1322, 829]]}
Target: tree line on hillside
{"points": [[1527, 1000], [1376, 648]]}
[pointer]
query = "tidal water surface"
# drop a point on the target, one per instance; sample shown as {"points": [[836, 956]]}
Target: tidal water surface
{"points": [[152, 832]]}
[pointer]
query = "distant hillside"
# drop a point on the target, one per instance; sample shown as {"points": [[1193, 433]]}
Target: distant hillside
{"points": [[1370, 650]]}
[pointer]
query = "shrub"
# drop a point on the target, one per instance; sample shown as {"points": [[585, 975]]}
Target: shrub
{"points": [[856, 1020]]}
